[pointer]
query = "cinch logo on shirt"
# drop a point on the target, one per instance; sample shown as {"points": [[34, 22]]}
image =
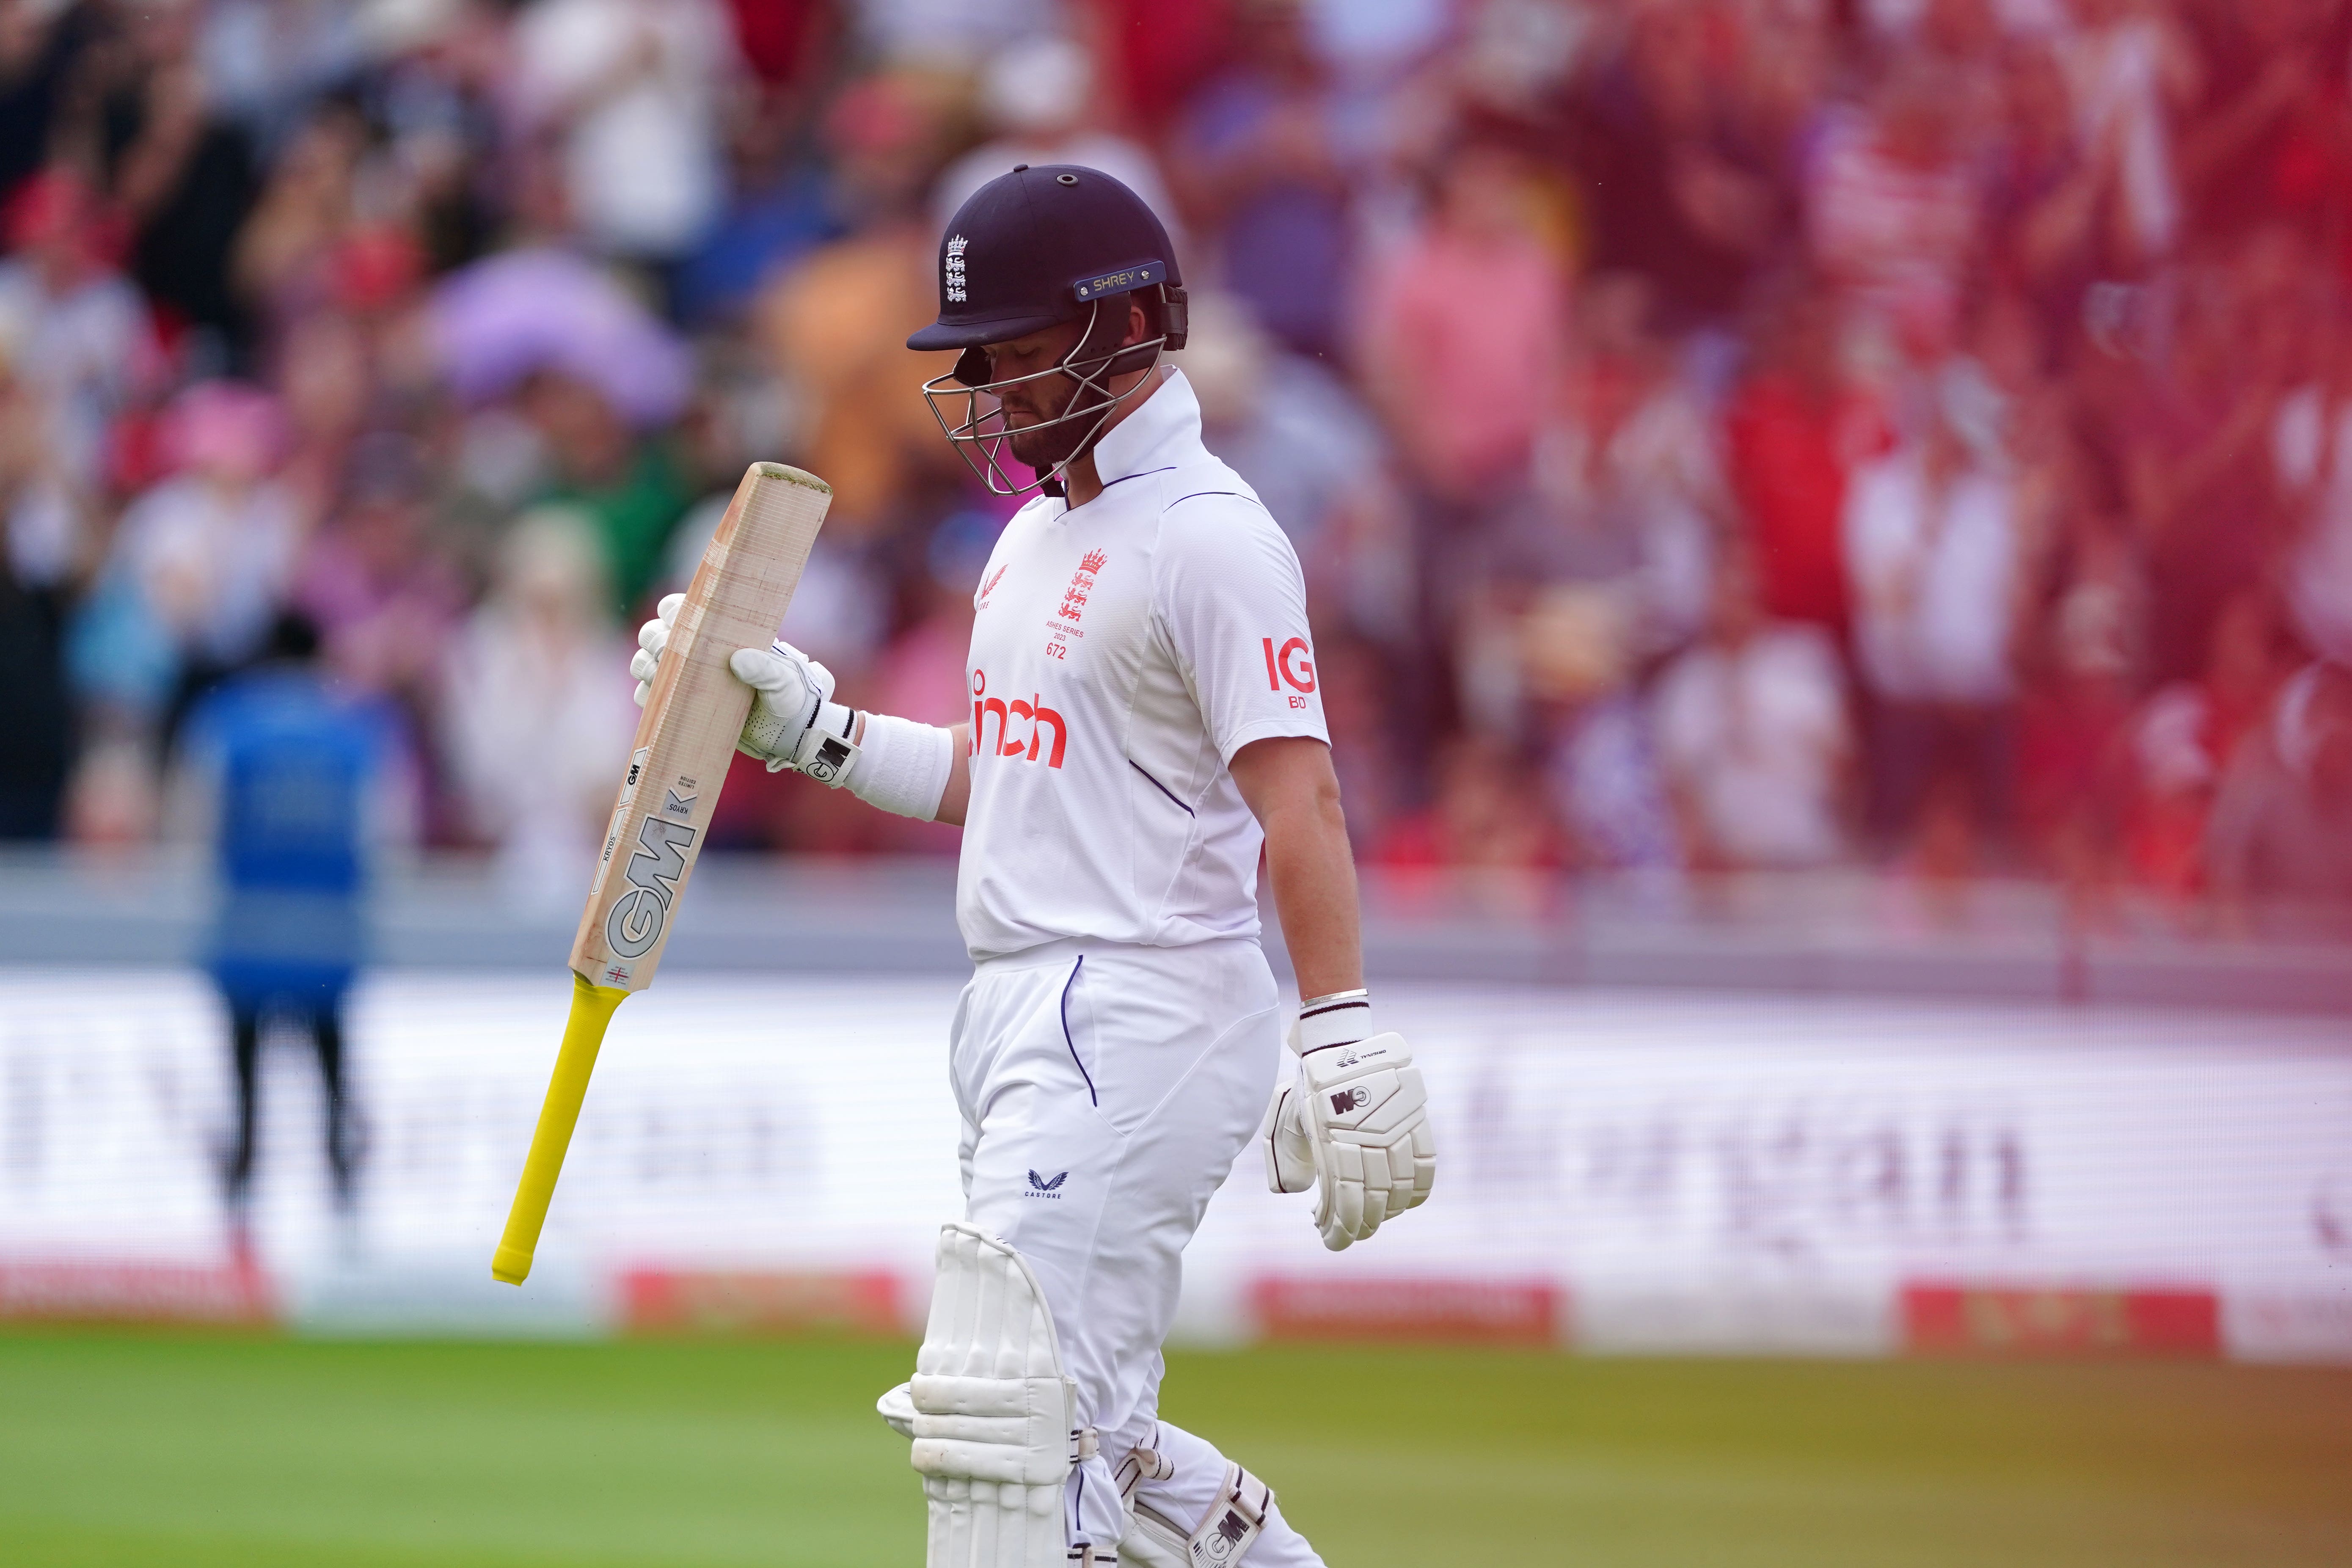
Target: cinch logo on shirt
{"points": [[1033, 715]]}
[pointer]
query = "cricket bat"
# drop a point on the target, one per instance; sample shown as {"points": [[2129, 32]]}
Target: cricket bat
{"points": [[684, 744]]}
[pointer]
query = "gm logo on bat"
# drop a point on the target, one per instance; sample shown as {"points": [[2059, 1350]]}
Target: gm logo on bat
{"points": [[654, 867]]}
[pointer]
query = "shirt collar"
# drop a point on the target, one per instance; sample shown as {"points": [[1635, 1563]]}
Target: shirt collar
{"points": [[1163, 431]]}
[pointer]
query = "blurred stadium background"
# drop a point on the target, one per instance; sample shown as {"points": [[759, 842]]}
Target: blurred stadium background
{"points": [[1830, 530]]}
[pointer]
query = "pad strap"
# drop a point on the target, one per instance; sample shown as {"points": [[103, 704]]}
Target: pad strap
{"points": [[897, 1411], [1141, 1465], [1234, 1522]]}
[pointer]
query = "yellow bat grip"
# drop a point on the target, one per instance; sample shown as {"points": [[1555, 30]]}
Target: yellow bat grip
{"points": [[591, 1010]]}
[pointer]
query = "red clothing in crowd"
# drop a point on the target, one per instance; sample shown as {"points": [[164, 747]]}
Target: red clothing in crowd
{"points": [[1790, 473], [780, 39]]}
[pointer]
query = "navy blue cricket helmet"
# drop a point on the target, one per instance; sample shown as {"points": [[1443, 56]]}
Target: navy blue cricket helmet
{"points": [[1030, 250]]}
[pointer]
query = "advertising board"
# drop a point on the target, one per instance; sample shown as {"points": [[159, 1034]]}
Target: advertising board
{"points": [[1621, 1172]]}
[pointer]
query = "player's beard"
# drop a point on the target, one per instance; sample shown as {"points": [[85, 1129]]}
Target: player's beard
{"points": [[1051, 438]]}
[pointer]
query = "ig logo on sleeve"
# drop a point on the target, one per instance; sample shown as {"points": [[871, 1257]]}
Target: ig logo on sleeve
{"points": [[1291, 665]]}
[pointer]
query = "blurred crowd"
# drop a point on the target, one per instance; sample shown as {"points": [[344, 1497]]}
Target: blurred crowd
{"points": [[1719, 434]]}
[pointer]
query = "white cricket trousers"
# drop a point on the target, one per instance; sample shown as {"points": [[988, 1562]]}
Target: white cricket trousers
{"points": [[1106, 1091]]}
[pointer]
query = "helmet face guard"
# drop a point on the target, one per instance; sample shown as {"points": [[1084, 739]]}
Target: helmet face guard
{"points": [[970, 407]]}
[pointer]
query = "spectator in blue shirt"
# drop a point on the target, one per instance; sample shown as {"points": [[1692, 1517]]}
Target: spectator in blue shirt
{"points": [[294, 767]]}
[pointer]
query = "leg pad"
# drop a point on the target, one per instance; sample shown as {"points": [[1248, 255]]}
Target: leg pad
{"points": [[994, 1423]]}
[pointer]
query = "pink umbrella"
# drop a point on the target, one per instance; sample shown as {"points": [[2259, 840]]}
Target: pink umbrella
{"points": [[509, 315]]}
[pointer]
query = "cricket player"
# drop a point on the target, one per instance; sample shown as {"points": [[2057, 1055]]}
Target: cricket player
{"points": [[1145, 717]]}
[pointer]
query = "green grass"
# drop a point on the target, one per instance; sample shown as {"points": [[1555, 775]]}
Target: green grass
{"points": [[128, 1450]]}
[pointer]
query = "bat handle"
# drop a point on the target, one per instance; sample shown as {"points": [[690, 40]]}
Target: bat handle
{"points": [[591, 1010]]}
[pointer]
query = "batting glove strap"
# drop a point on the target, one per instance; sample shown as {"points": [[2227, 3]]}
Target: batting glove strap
{"points": [[825, 751]]}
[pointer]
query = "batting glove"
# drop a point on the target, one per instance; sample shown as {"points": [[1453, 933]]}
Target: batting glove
{"points": [[793, 723], [1353, 1123]]}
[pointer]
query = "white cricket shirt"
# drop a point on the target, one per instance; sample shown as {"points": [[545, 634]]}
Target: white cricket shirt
{"points": [[1121, 655]]}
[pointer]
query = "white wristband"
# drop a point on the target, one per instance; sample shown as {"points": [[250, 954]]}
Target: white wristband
{"points": [[902, 766], [1340, 1019]]}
